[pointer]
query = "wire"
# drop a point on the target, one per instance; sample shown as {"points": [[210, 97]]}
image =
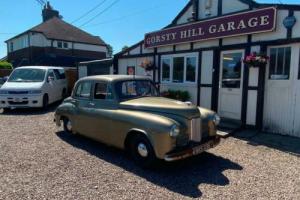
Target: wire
{"points": [[103, 11], [88, 12], [127, 16], [41, 2]]}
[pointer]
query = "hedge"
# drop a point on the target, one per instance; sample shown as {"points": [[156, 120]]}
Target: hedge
{"points": [[5, 65]]}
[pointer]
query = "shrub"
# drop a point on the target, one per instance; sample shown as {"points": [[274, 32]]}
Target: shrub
{"points": [[177, 95], [5, 65]]}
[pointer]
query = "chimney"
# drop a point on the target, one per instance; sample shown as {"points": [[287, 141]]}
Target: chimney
{"points": [[49, 12]]}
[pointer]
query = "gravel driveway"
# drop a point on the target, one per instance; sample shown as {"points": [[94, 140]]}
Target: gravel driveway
{"points": [[39, 161]]}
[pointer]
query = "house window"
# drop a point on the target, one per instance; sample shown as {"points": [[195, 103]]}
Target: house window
{"points": [[166, 70], [66, 45], [179, 69], [11, 47], [280, 63], [59, 44]]}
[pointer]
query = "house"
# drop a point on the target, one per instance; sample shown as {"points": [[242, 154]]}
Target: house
{"points": [[54, 42], [203, 50]]}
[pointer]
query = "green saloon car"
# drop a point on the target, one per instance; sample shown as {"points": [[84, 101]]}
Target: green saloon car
{"points": [[127, 112]]}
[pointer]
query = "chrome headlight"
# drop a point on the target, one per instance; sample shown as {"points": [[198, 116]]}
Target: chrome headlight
{"points": [[174, 131], [35, 92], [2, 92], [216, 119]]}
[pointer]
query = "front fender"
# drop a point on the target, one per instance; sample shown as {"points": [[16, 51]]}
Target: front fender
{"points": [[155, 127]]}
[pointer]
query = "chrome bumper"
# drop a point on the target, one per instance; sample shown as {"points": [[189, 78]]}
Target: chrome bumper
{"points": [[195, 150]]}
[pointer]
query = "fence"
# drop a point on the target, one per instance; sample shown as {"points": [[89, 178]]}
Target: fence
{"points": [[71, 75]]}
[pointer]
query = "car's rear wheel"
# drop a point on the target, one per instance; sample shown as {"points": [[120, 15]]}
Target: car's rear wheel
{"points": [[45, 101], [68, 127], [142, 151]]}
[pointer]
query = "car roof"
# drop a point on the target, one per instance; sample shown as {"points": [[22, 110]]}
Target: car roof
{"points": [[39, 67], [114, 78]]}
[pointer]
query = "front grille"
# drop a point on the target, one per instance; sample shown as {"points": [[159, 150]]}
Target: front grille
{"points": [[17, 92], [18, 103], [195, 130]]}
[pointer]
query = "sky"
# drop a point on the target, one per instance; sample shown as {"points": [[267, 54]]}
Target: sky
{"points": [[117, 22]]}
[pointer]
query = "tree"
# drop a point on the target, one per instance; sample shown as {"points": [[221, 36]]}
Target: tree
{"points": [[5, 65], [125, 48], [110, 51]]}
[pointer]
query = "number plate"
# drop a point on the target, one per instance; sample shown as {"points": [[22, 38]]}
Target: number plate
{"points": [[202, 148]]}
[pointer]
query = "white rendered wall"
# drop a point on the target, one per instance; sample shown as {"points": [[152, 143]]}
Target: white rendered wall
{"points": [[280, 32], [230, 6]]}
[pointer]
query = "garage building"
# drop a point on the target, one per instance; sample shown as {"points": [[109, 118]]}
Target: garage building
{"points": [[203, 49]]}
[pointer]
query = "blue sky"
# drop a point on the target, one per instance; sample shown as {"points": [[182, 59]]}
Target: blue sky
{"points": [[125, 23]]}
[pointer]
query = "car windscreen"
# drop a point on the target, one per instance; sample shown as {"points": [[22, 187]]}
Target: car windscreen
{"points": [[135, 89], [27, 75]]}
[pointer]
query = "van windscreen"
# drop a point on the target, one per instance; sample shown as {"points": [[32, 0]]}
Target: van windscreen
{"points": [[27, 75]]}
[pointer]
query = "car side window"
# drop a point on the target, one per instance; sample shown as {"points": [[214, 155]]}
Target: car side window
{"points": [[51, 74], [56, 73], [100, 91], [83, 90], [59, 74], [62, 74]]}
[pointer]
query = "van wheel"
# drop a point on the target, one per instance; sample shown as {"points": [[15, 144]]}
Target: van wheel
{"points": [[6, 110], [68, 127], [45, 101], [142, 151]]}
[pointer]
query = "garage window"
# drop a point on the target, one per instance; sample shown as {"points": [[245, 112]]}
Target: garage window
{"points": [[179, 69], [166, 70], [191, 69], [280, 61]]}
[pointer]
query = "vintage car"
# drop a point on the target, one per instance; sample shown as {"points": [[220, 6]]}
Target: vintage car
{"points": [[127, 112]]}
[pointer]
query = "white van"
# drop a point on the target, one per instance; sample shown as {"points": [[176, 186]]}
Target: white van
{"points": [[33, 86]]}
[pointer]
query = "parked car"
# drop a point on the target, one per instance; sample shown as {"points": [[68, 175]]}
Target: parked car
{"points": [[127, 112], [33, 86]]}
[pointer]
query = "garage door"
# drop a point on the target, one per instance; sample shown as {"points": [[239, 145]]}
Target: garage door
{"points": [[282, 91]]}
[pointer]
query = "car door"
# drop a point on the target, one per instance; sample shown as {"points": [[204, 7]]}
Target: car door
{"points": [[59, 85], [102, 108], [82, 103], [51, 86]]}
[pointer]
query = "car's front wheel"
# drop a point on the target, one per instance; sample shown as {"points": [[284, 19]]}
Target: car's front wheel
{"points": [[142, 151], [68, 127]]}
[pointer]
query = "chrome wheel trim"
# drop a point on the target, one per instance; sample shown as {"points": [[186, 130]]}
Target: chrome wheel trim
{"points": [[142, 150]]}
